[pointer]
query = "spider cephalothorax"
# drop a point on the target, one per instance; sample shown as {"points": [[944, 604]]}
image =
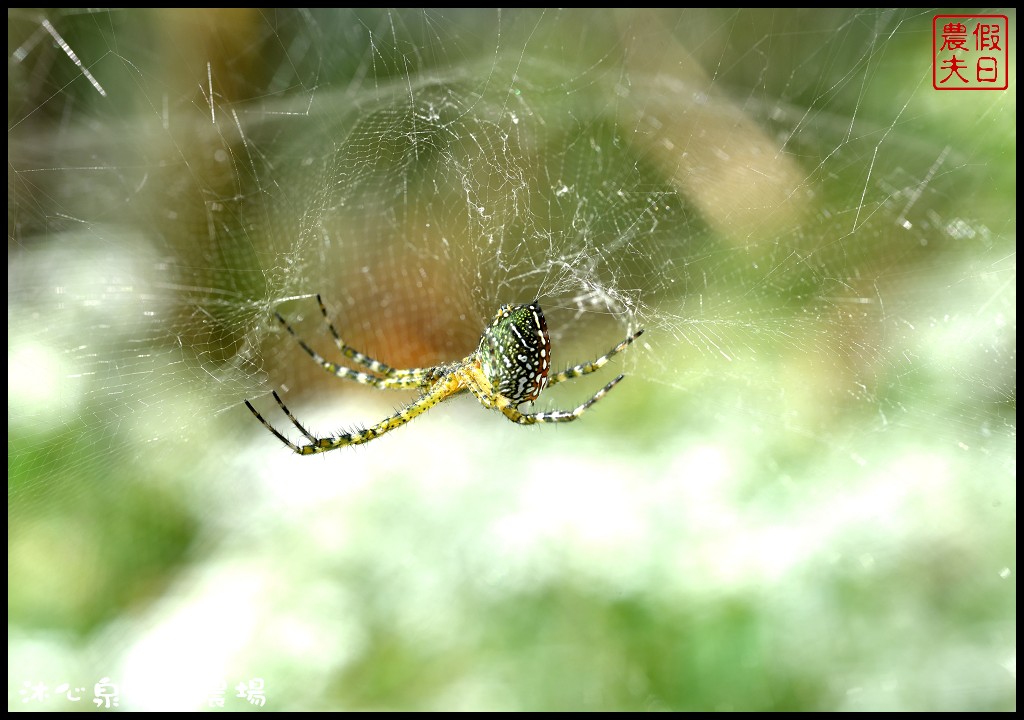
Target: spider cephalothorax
{"points": [[509, 367]]}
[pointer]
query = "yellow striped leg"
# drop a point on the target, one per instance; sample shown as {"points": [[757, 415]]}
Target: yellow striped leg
{"points": [[438, 392], [558, 415], [411, 379], [586, 368], [365, 360]]}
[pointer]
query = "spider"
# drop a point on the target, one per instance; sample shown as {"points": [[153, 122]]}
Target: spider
{"points": [[509, 367]]}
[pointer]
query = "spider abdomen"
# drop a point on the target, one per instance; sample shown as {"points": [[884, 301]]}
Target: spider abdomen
{"points": [[515, 352]]}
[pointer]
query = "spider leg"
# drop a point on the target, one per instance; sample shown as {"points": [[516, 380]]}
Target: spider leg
{"points": [[441, 390], [586, 368], [476, 382], [412, 379], [365, 360], [271, 428], [558, 415]]}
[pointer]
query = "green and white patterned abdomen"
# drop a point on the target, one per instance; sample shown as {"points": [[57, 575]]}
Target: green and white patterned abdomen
{"points": [[515, 352]]}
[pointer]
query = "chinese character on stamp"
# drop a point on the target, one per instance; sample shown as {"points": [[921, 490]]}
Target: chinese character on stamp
{"points": [[970, 52]]}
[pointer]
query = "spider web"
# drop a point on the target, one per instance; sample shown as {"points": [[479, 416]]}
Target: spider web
{"points": [[819, 246]]}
